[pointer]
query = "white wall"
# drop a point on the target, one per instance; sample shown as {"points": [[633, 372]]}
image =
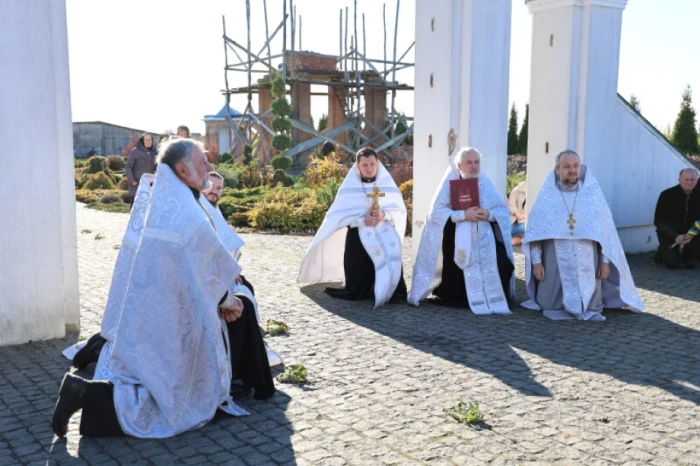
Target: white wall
{"points": [[465, 46], [38, 250]]}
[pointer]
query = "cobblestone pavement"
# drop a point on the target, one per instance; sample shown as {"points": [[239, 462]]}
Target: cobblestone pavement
{"points": [[625, 391]]}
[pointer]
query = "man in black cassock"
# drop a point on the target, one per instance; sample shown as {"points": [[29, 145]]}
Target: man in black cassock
{"points": [[676, 211], [465, 257], [359, 242]]}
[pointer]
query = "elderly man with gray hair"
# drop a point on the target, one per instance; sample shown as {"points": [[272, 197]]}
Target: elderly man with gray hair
{"points": [[465, 258], [574, 262], [166, 365]]}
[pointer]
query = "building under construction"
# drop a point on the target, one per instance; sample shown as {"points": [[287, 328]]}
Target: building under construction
{"points": [[361, 91]]}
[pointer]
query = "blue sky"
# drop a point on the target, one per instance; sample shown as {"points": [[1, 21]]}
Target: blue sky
{"points": [[157, 64]]}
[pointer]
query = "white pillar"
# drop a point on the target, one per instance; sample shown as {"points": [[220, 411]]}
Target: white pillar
{"points": [[461, 82], [573, 95], [38, 248]]}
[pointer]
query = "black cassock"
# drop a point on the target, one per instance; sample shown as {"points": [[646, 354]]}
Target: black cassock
{"points": [[452, 291], [359, 273]]}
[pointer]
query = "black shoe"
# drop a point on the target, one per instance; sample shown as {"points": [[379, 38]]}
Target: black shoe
{"points": [[239, 391], [70, 400], [264, 394]]}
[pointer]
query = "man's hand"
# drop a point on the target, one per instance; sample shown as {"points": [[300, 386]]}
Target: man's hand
{"points": [[520, 217], [483, 214], [538, 271], [473, 214], [374, 217], [682, 240], [134, 183], [603, 271], [231, 314], [238, 280]]}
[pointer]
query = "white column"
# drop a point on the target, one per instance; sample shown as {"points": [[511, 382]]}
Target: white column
{"points": [[573, 95], [38, 250], [461, 82]]}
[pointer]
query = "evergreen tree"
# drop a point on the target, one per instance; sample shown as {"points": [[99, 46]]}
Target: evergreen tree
{"points": [[634, 103], [323, 123], [513, 131], [522, 139], [685, 132]]}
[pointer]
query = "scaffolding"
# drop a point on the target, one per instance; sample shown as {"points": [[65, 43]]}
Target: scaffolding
{"points": [[348, 77]]}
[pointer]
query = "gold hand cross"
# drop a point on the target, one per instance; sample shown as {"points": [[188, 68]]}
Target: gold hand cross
{"points": [[376, 194]]}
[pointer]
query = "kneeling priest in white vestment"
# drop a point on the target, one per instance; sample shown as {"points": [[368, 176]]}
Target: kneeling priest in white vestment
{"points": [[465, 257], [166, 365], [359, 242], [574, 262]]}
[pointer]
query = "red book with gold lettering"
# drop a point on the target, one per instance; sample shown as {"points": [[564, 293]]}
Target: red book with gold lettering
{"points": [[464, 193]]}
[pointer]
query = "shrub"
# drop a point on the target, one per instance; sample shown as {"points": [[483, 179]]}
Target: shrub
{"points": [[281, 107], [285, 217], [402, 171], [326, 194], [322, 171], [248, 154], [281, 142], [239, 219], [96, 164], [409, 218], [230, 175], [126, 197], [512, 181], [98, 181], [87, 197], [253, 176], [79, 163], [225, 158], [123, 184], [281, 178], [119, 207], [407, 190], [110, 198], [281, 162], [116, 162]]}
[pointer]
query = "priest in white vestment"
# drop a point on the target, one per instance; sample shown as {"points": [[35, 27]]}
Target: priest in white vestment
{"points": [[574, 262], [465, 257], [359, 243], [166, 367]]}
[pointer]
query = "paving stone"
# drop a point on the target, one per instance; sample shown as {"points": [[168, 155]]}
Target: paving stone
{"points": [[621, 391]]}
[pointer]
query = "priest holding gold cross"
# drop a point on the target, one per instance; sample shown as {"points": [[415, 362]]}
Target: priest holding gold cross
{"points": [[359, 242], [574, 262]]}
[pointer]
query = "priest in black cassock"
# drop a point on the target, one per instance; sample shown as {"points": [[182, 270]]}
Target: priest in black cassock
{"points": [[465, 257], [359, 242]]}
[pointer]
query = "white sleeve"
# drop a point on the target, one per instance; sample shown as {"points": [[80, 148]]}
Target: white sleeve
{"points": [[457, 216], [536, 253]]}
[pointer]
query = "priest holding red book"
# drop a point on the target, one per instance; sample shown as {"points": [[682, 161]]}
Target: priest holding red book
{"points": [[465, 257]]}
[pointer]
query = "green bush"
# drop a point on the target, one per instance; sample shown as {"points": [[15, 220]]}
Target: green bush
{"points": [[284, 217], [79, 163], [281, 162], [225, 158], [110, 198], [118, 207], [230, 174], [248, 153], [116, 162], [281, 107], [326, 194], [239, 219], [281, 124], [253, 176], [322, 171], [96, 164], [512, 181], [123, 184], [98, 181], [281, 142], [281, 178], [87, 197]]}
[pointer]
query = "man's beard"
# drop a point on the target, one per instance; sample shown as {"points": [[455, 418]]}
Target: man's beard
{"points": [[215, 203], [206, 185], [569, 184], [471, 175]]}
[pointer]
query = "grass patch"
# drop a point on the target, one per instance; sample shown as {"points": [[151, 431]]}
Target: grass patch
{"points": [[465, 413], [275, 327], [294, 373], [118, 207]]}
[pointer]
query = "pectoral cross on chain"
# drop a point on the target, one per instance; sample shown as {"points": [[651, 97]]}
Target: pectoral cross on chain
{"points": [[571, 223], [376, 194]]}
